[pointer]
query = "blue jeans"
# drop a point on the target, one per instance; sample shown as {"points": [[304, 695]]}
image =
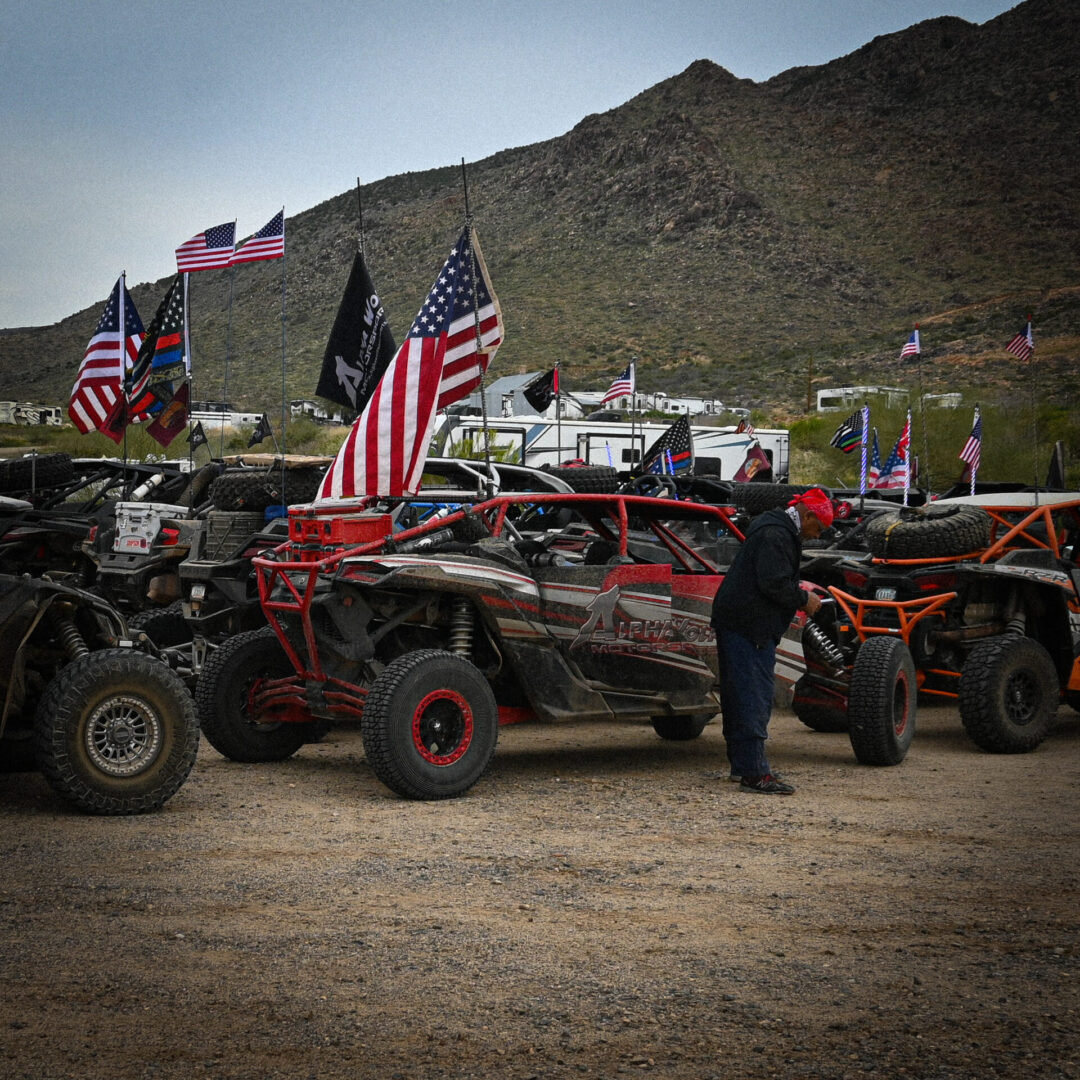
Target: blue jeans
{"points": [[746, 696]]}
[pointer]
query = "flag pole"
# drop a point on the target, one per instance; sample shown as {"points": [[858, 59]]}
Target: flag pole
{"points": [[191, 450], [360, 207], [971, 491], [187, 345], [558, 414], [490, 484], [284, 440], [123, 355], [189, 379], [862, 454], [922, 415], [187, 328], [1034, 414], [907, 471], [228, 345]]}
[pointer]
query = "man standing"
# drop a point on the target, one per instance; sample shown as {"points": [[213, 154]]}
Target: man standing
{"points": [[753, 607]]}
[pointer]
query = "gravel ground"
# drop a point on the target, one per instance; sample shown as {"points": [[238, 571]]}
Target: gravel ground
{"points": [[601, 904]]}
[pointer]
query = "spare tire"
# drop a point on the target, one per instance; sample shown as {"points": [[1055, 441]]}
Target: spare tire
{"points": [[294, 486], [36, 470], [588, 479], [929, 531], [242, 489], [756, 498]]}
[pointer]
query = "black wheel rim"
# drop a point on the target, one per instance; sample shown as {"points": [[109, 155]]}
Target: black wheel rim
{"points": [[1022, 697]]}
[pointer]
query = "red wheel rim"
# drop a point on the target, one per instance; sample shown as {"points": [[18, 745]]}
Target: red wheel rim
{"points": [[442, 727], [901, 704]]}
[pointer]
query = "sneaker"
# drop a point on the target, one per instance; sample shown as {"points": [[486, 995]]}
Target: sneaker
{"points": [[766, 785], [735, 778]]}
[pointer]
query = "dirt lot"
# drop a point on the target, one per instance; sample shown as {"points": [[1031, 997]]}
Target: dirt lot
{"points": [[601, 904]]}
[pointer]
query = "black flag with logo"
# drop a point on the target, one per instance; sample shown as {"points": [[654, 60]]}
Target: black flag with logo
{"points": [[197, 437], [360, 347], [540, 392], [262, 429]]}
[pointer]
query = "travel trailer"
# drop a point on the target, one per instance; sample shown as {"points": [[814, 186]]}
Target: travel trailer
{"points": [[23, 412], [536, 441]]}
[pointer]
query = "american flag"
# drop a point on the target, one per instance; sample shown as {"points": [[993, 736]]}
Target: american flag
{"points": [[209, 250], [624, 384], [972, 451], [849, 434], [267, 243], [1023, 344], [439, 362], [875, 462], [673, 452], [99, 384], [744, 427], [894, 473], [911, 346]]}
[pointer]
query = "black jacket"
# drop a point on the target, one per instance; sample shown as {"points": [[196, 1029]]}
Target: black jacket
{"points": [[760, 592]]}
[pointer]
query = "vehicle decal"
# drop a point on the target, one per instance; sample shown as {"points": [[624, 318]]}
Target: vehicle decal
{"points": [[487, 573], [1057, 578], [613, 625]]}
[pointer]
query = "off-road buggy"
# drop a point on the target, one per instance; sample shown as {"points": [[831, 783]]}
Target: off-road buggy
{"points": [[519, 606], [985, 593], [98, 524], [852, 511], [220, 597], [111, 727]]}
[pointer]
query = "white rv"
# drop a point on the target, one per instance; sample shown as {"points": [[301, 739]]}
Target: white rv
{"points": [[536, 441]]}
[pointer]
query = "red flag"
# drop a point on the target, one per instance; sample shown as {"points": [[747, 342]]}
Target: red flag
{"points": [[756, 462], [172, 419], [114, 424], [439, 362]]}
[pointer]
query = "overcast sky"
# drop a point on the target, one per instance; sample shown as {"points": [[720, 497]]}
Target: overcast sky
{"points": [[128, 127]]}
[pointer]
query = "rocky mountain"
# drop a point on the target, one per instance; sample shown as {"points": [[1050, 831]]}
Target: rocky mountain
{"points": [[740, 238]]}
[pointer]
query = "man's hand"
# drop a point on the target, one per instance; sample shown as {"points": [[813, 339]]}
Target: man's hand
{"points": [[813, 602]]}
